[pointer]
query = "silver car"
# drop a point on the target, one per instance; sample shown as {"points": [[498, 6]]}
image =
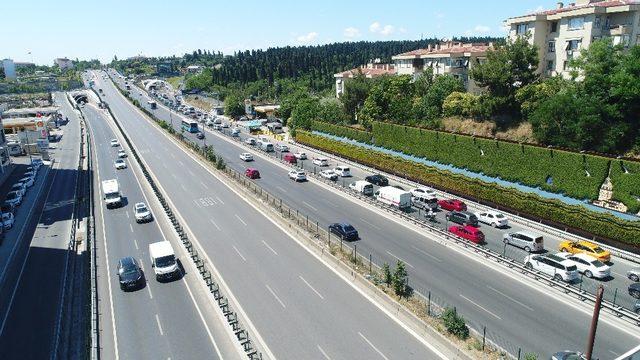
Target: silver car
{"points": [[634, 274]]}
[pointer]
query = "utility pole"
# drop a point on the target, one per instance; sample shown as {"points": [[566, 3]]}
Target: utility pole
{"points": [[594, 322]]}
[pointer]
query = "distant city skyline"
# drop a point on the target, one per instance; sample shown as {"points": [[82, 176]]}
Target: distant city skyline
{"points": [[40, 31]]}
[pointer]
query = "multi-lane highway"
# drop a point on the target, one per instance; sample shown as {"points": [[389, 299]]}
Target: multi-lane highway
{"points": [[518, 313], [174, 320], [299, 308]]}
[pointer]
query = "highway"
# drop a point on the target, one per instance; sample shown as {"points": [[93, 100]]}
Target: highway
{"points": [[299, 307], [517, 313], [174, 320]]}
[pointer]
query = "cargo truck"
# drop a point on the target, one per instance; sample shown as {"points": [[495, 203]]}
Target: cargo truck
{"points": [[112, 197], [163, 261], [393, 196]]}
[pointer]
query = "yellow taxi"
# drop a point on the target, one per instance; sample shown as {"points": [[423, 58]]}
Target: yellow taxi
{"points": [[585, 247]]}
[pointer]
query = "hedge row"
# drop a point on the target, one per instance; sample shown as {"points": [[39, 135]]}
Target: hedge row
{"points": [[343, 131], [625, 176], [603, 225]]}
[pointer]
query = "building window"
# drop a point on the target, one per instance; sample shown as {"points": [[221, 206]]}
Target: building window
{"points": [[573, 45], [596, 23], [554, 26], [521, 29], [552, 47], [550, 65], [576, 23]]}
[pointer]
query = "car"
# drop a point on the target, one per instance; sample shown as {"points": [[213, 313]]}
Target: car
{"points": [[36, 162], [6, 207], [120, 164], [452, 205], [282, 148], [329, 175], [297, 175], [235, 132], [585, 247], [300, 155], [142, 212], [421, 191], [130, 274], [200, 135], [462, 218], [19, 187], [558, 268], [321, 161], [634, 290], [7, 220], [525, 240], [493, 218], [252, 173], [27, 181], [217, 127], [344, 231], [636, 307], [468, 232], [587, 265], [634, 274], [343, 171], [250, 141], [246, 157], [30, 173], [115, 143], [568, 355], [290, 158], [225, 125], [13, 198], [377, 179]]}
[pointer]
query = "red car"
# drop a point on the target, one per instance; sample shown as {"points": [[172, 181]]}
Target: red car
{"points": [[468, 232], [452, 205], [290, 158], [252, 173]]}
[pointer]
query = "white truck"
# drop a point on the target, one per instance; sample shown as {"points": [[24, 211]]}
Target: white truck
{"points": [[265, 145], [163, 261], [363, 187], [393, 196], [111, 193]]}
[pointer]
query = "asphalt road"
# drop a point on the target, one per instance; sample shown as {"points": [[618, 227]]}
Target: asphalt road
{"points": [[300, 308], [516, 315], [161, 320]]}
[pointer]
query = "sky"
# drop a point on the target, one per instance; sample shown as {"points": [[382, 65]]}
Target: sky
{"points": [[101, 29]]}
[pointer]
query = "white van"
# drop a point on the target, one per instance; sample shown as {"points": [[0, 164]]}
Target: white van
{"points": [[424, 201], [163, 261], [362, 187], [343, 171]]}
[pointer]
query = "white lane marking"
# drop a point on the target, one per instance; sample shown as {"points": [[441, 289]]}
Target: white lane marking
{"points": [[323, 353], [275, 296], [311, 287], [221, 202], [481, 307], [146, 285], [181, 163], [173, 174], [131, 227], [214, 224], [374, 348], [191, 173], [269, 247], [204, 322], [426, 253], [238, 252], [397, 258], [159, 325], [242, 221], [370, 224], [306, 203], [135, 243], [614, 353], [183, 187], [204, 185], [510, 298], [281, 189], [127, 212]]}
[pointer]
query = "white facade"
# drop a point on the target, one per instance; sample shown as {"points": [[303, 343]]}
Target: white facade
{"points": [[560, 33], [9, 69], [371, 70], [64, 63]]}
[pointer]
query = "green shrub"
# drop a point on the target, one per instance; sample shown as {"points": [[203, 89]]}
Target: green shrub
{"points": [[460, 104], [604, 225], [343, 131], [455, 324], [626, 184]]}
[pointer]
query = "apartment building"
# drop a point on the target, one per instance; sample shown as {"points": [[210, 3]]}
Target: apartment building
{"points": [[64, 63], [371, 70], [560, 33], [453, 58]]}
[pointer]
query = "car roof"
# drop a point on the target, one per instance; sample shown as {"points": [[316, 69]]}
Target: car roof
{"points": [[128, 261], [140, 204], [528, 233]]}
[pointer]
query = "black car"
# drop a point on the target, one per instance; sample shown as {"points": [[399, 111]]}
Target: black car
{"points": [[200, 135], [462, 218], [129, 273], [344, 231], [7, 208], [636, 307], [634, 290], [377, 179]]}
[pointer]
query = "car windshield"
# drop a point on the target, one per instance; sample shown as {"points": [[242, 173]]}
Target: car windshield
{"points": [[572, 268], [598, 249], [112, 196], [141, 209], [349, 228], [597, 263], [129, 270], [499, 216], [165, 261]]}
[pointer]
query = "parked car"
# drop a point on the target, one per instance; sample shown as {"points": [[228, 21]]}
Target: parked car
{"points": [[115, 143], [200, 135], [634, 290], [344, 231], [377, 179], [235, 132], [363, 187], [468, 232], [462, 218], [587, 265], [226, 125], [36, 162], [525, 240], [250, 141], [142, 212], [585, 247], [27, 181], [122, 154], [19, 187], [290, 158], [301, 155], [297, 175], [7, 207], [424, 202], [343, 171], [560, 269], [633, 274], [493, 218], [329, 175], [636, 307], [120, 164], [246, 157], [452, 205], [252, 173], [321, 161], [130, 274], [282, 148], [422, 191], [7, 220]]}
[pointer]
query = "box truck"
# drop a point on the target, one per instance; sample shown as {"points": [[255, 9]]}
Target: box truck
{"points": [[112, 197], [394, 197], [163, 261]]}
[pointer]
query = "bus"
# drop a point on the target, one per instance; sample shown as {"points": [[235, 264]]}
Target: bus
{"points": [[190, 126]]}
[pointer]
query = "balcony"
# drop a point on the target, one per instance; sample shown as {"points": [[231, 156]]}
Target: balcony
{"points": [[620, 30]]}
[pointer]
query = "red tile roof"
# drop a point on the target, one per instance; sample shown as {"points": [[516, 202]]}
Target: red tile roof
{"points": [[451, 49], [375, 71], [607, 3]]}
